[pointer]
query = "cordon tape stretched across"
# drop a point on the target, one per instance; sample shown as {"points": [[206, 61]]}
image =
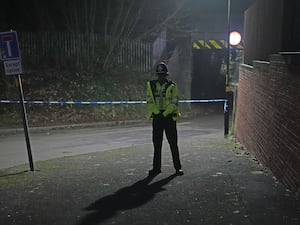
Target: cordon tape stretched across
{"points": [[45, 102]]}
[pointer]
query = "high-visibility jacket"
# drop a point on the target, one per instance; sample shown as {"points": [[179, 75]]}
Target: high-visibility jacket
{"points": [[162, 99]]}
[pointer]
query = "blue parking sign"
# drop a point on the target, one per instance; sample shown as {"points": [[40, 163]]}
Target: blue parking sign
{"points": [[9, 46]]}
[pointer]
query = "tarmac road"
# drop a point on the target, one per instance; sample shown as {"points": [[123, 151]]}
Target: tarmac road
{"points": [[221, 185], [54, 143]]}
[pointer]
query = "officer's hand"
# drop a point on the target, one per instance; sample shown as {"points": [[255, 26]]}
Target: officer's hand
{"points": [[170, 116]]}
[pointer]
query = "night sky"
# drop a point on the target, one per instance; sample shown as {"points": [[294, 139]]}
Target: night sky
{"points": [[32, 15]]}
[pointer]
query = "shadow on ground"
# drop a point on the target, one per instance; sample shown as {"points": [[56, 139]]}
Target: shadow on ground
{"points": [[129, 197]]}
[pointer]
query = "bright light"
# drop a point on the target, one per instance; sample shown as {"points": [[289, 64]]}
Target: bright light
{"points": [[235, 38]]}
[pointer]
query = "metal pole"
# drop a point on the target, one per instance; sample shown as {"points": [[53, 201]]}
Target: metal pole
{"points": [[228, 45], [227, 88], [226, 118], [25, 122]]}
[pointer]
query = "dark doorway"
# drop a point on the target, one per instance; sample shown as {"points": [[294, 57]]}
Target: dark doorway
{"points": [[208, 74]]}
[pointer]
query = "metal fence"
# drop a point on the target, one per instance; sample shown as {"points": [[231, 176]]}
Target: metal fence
{"points": [[81, 49], [136, 53]]}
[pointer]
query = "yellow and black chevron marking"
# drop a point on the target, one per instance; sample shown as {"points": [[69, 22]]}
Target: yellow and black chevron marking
{"points": [[213, 44]]}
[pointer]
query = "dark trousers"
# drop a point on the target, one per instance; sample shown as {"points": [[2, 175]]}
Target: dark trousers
{"points": [[161, 124]]}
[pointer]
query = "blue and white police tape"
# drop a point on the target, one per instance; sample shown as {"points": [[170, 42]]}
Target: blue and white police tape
{"points": [[46, 102]]}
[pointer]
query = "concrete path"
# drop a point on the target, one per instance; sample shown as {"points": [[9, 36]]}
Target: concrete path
{"points": [[222, 185]]}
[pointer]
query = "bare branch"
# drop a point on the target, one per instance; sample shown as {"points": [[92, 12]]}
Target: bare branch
{"points": [[107, 19], [165, 21], [132, 26]]}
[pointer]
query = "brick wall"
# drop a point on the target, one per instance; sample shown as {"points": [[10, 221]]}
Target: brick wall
{"points": [[268, 116]]}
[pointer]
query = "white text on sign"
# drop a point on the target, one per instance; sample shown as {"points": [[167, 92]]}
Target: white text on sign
{"points": [[13, 67]]}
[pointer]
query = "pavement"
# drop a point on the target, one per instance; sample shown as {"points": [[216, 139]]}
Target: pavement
{"points": [[222, 185]]}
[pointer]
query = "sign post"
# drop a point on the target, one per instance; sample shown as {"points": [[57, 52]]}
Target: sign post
{"points": [[25, 122], [10, 54]]}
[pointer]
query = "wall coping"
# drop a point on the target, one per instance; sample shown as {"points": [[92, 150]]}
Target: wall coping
{"points": [[289, 53], [257, 65], [261, 65], [291, 58], [261, 62], [247, 66]]}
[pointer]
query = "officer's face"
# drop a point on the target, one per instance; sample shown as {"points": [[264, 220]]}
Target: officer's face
{"points": [[162, 76]]}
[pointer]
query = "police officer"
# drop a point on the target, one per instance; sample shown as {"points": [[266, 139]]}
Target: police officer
{"points": [[162, 104]]}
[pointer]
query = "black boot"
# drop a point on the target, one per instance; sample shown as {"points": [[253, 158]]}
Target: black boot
{"points": [[179, 172]]}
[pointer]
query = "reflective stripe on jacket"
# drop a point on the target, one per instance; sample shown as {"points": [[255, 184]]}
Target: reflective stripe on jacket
{"points": [[162, 98]]}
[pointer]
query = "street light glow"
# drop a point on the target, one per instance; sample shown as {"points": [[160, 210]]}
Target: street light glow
{"points": [[235, 38]]}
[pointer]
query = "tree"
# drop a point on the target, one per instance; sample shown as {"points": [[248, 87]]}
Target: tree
{"points": [[117, 21]]}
